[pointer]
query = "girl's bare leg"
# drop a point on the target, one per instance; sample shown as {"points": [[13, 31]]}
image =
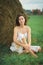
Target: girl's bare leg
{"points": [[32, 52], [27, 51]]}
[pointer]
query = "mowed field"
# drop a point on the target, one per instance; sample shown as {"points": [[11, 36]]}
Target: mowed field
{"points": [[36, 24], [9, 58]]}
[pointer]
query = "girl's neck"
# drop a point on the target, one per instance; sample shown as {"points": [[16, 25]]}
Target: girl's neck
{"points": [[22, 26]]}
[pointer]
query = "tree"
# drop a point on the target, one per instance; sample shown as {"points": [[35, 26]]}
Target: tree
{"points": [[37, 11]]}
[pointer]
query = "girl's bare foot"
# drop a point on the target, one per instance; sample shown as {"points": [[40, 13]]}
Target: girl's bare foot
{"points": [[33, 53], [25, 51]]}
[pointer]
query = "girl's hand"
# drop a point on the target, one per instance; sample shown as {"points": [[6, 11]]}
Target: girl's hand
{"points": [[29, 45], [26, 46]]}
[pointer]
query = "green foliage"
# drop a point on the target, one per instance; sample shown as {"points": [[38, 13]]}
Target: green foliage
{"points": [[35, 12]]}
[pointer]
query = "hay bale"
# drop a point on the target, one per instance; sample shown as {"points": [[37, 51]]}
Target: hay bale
{"points": [[8, 12]]}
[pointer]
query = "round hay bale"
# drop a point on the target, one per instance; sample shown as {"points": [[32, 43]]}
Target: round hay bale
{"points": [[8, 12]]}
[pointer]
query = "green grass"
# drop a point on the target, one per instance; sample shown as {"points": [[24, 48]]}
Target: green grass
{"points": [[9, 58], [36, 24]]}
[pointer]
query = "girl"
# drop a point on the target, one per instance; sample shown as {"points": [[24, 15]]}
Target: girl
{"points": [[22, 37]]}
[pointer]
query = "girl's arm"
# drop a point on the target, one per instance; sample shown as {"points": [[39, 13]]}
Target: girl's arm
{"points": [[24, 40], [29, 36]]}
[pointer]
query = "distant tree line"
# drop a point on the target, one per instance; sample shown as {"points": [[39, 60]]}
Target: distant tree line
{"points": [[37, 11], [34, 12]]}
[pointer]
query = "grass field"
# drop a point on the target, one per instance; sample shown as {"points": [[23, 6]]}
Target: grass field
{"points": [[36, 24], [9, 58]]}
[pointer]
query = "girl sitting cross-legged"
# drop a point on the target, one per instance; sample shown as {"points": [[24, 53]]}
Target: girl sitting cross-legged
{"points": [[22, 37]]}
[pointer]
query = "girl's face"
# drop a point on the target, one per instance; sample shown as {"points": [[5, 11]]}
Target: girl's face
{"points": [[21, 20]]}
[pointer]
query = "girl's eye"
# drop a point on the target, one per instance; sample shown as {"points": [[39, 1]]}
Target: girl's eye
{"points": [[22, 18]]}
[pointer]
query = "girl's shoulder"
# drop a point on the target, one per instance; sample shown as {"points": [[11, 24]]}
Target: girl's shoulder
{"points": [[16, 28], [28, 27]]}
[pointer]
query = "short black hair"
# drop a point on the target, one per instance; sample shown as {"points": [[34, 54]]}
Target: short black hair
{"points": [[17, 19]]}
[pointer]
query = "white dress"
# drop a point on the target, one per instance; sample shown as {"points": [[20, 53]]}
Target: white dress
{"points": [[19, 49]]}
